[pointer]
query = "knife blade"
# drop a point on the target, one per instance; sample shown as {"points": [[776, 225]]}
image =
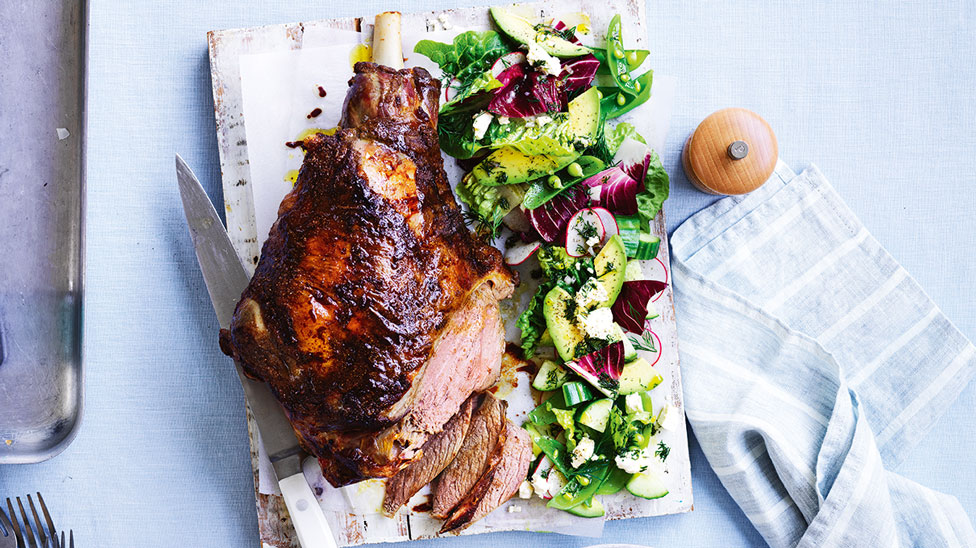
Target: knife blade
{"points": [[226, 279]]}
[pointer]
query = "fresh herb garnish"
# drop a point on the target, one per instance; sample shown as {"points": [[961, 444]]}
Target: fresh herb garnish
{"points": [[644, 342], [488, 229], [662, 451]]}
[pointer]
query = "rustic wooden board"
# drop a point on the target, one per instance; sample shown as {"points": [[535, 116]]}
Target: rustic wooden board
{"points": [[226, 48]]}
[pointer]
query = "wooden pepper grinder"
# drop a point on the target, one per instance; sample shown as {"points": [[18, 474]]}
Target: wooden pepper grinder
{"points": [[733, 151]]}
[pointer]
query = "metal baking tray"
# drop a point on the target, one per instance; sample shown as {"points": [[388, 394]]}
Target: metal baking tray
{"points": [[42, 203]]}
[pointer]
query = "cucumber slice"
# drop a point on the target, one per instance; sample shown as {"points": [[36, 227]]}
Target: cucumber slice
{"points": [[550, 376], [647, 485], [647, 246], [576, 393], [651, 311], [637, 376], [596, 414], [629, 228], [594, 510]]}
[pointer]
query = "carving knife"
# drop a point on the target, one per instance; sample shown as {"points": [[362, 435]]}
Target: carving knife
{"points": [[226, 279]]}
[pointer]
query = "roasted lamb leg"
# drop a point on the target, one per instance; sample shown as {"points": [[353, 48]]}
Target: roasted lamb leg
{"points": [[373, 312]]}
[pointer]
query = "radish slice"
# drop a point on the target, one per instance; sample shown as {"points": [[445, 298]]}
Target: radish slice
{"points": [[517, 221], [506, 61], [519, 252], [542, 471], [450, 90], [544, 465], [609, 223], [580, 236], [556, 483]]}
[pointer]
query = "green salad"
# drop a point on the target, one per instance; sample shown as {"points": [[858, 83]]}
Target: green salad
{"points": [[530, 112]]}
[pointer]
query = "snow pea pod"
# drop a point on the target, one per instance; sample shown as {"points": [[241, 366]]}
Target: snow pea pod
{"points": [[575, 493], [617, 59], [634, 59], [610, 105], [540, 191]]}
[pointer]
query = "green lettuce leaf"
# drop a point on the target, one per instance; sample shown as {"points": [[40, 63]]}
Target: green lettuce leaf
{"points": [[619, 133], [465, 61], [656, 190]]}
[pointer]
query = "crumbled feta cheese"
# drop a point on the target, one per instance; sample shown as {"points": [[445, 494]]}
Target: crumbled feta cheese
{"points": [[481, 122], [592, 241], [594, 192], [62, 133], [542, 119], [634, 462], [503, 120], [590, 294], [447, 25], [525, 489], [633, 403], [540, 483], [582, 452], [568, 280], [515, 508], [667, 420], [598, 324], [540, 58]]}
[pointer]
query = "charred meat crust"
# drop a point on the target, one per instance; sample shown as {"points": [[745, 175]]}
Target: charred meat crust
{"points": [[350, 293]]}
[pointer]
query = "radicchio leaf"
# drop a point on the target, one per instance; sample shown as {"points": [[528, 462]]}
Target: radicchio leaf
{"points": [[551, 218], [630, 308], [579, 72], [525, 92], [602, 368], [615, 190]]}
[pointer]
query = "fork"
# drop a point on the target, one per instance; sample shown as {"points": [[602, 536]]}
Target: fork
{"points": [[15, 536]]}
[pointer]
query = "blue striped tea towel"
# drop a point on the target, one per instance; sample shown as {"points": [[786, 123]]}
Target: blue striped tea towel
{"points": [[811, 361]]}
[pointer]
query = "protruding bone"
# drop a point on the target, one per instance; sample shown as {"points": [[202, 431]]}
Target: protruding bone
{"points": [[387, 49]]}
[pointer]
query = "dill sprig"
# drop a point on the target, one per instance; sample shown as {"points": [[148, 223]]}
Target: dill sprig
{"points": [[644, 342]]}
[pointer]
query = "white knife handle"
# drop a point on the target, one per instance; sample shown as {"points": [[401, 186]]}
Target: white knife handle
{"points": [[306, 514]]}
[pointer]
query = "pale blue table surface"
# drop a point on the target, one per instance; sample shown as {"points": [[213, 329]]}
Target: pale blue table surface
{"points": [[878, 95]]}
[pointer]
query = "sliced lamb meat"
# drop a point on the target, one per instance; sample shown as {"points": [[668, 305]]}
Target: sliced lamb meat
{"points": [[472, 459], [508, 467], [437, 453]]}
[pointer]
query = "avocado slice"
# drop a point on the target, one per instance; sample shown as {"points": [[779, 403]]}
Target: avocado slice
{"points": [[521, 30], [611, 264], [584, 115], [638, 376], [558, 308], [508, 165]]}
